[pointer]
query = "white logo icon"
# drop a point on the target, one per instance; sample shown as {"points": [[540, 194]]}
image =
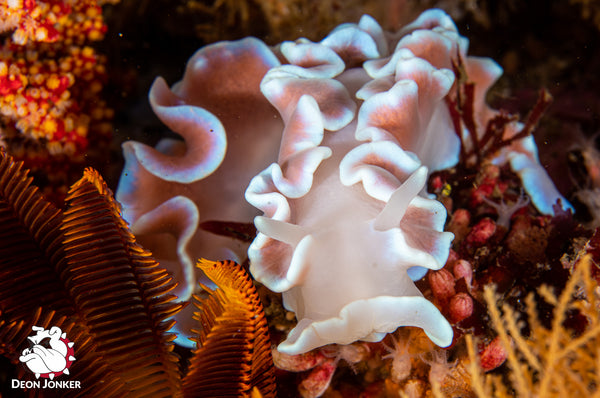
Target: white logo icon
{"points": [[51, 359]]}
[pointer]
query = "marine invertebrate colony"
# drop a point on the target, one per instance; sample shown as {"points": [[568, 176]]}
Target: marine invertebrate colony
{"points": [[81, 272], [347, 222], [50, 78], [52, 112], [550, 360]]}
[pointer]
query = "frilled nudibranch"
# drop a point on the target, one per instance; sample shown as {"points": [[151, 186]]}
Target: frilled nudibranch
{"points": [[345, 132], [346, 216]]}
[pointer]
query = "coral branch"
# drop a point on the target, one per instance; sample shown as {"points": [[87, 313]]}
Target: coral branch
{"points": [[546, 362]]}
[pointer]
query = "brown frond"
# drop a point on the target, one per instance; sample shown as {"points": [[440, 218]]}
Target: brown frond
{"points": [[29, 245], [97, 380], [31, 254], [84, 267], [119, 290], [480, 142], [234, 354]]}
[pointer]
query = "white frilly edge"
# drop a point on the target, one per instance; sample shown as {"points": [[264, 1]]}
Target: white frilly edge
{"points": [[370, 320]]}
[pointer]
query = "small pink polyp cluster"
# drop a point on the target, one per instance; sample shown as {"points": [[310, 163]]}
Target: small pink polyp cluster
{"points": [[345, 133]]}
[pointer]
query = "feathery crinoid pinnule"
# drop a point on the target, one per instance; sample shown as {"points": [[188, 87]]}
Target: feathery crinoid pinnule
{"points": [[30, 245], [119, 289], [82, 271], [233, 357]]}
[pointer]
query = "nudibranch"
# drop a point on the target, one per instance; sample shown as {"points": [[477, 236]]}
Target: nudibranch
{"points": [[168, 191], [334, 142], [347, 220], [434, 37]]}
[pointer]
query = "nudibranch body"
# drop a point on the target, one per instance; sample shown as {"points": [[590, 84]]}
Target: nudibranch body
{"points": [[350, 130], [347, 220]]}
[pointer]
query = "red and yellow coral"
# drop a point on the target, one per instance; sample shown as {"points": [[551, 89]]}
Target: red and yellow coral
{"points": [[53, 20], [50, 79]]}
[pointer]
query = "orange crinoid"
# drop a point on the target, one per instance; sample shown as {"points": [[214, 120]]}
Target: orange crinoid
{"points": [[235, 348], [81, 270]]}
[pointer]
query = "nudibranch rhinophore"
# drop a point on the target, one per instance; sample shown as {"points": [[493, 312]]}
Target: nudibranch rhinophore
{"points": [[334, 141]]}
